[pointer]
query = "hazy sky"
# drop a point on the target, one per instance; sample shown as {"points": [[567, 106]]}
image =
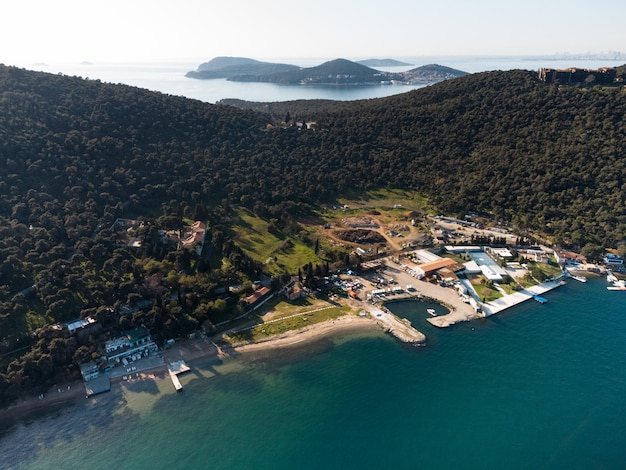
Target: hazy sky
{"points": [[133, 30]]}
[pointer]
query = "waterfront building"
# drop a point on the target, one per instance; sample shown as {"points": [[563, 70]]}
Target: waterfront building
{"points": [[135, 342], [89, 371], [613, 260], [569, 257]]}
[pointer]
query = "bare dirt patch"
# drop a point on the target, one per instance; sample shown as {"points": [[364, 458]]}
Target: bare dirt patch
{"points": [[360, 236], [360, 222]]}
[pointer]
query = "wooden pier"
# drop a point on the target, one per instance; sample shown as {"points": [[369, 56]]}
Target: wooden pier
{"points": [[176, 368]]}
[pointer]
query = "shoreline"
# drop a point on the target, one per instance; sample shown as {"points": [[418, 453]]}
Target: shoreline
{"points": [[338, 325], [192, 351], [201, 349]]}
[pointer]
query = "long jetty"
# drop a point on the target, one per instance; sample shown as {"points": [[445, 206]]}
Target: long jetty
{"points": [[400, 328]]}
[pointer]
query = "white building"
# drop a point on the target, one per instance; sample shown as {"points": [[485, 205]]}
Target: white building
{"points": [[72, 327], [613, 260], [133, 342], [503, 253]]}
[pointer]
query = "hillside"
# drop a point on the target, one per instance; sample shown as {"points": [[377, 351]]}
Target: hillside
{"points": [[77, 154], [237, 67], [335, 72], [471, 135], [431, 73]]}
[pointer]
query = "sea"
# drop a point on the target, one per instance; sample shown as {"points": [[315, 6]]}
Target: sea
{"points": [[535, 386], [168, 76]]}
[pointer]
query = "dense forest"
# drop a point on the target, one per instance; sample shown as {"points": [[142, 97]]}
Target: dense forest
{"points": [[77, 154]]}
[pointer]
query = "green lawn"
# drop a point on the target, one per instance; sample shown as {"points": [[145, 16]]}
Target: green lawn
{"points": [[387, 198], [281, 326], [486, 292], [280, 252]]}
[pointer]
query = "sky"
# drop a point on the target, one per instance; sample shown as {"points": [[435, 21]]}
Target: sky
{"points": [[54, 31]]}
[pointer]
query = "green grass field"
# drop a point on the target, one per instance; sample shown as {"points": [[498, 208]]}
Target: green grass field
{"points": [[282, 325], [281, 253]]}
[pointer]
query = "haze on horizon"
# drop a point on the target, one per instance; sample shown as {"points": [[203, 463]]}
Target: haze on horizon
{"points": [[40, 31]]}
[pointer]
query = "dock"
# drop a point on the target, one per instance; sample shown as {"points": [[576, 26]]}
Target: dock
{"points": [[534, 292], [400, 328], [176, 368]]}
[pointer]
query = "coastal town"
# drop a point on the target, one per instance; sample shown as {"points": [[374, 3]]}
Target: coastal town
{"points": [[471, 270]]}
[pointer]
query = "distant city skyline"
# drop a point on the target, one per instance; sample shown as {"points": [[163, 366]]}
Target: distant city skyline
{"points": [[40, 31]]}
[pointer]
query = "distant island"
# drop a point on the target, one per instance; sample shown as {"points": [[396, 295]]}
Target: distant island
{"points": [[383, 63], [334, 72]]}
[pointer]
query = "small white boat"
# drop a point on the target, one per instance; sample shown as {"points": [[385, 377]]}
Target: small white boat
{"points": [[431, 311], [619, 284], [575, 277]]}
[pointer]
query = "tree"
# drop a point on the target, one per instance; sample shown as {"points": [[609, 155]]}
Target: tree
{"points": [[592, 251]]}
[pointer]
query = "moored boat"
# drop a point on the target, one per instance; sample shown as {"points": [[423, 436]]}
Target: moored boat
{"points": [[619, 284], [575, 277]]}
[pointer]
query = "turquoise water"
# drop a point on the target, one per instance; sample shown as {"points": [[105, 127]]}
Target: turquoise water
{"points": [[538, 386]]}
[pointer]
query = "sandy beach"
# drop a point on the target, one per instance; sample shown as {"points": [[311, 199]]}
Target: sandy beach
{"points": [[339, 325], [192, 350]]}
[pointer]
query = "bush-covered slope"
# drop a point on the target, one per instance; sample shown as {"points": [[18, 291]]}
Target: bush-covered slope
{"points": [[547, 157]]}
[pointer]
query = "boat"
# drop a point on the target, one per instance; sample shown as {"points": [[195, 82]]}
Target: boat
{"points": [[541, 300], [575, 277], [431, 311], [610, 277], [619, 284]]}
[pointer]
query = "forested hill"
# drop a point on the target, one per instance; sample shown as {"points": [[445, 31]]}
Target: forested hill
{"points": [[546, 157]]}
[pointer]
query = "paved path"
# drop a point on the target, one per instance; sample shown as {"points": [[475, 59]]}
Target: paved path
{"points": [[496, 306]]}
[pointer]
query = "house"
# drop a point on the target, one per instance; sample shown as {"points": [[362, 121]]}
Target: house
{"points": [[613, 260], [574, 75], [194, 236], [488, 267], [427, 269], [89, 370], [433, 266], [257, 295], [76, 325], [293, 291], [569, 257], [131, 344], [502, 253]]}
